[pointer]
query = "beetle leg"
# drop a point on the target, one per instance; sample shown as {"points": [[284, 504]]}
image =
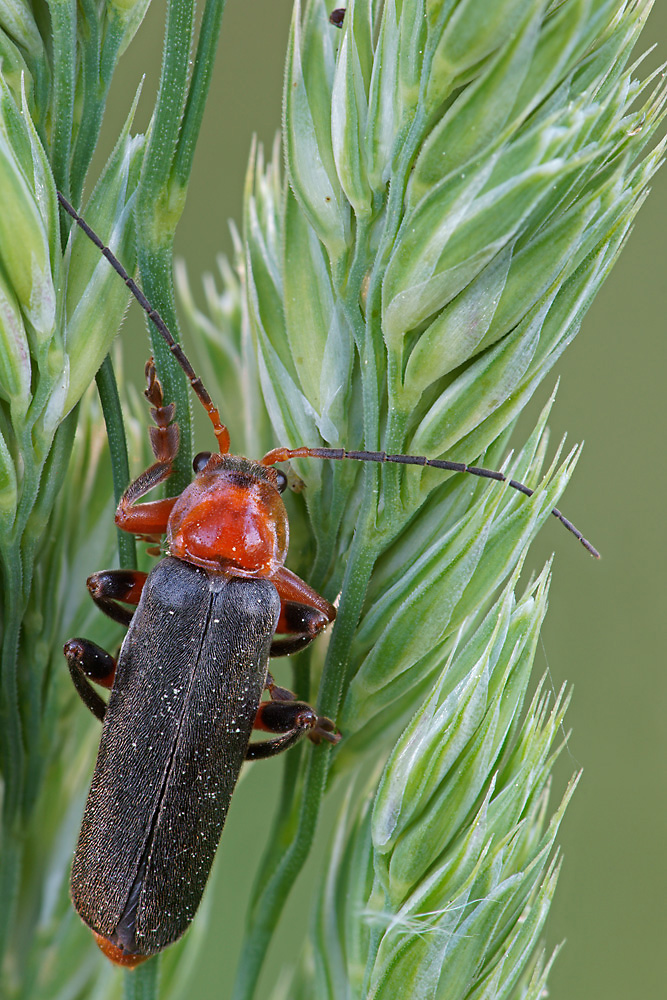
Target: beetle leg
{"points": [[84, 660], [293, 719], [303, 613], [145, 518], [269, 748], [286, 647], [151, 518], [112, 585], [284, 695], [277, 693], [293, 590]]}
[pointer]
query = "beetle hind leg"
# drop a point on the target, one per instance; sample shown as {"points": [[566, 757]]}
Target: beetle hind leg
{"points": [[291, 718]]}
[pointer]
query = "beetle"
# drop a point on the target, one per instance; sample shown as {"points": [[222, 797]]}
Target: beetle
{"points": [[186, 690]]}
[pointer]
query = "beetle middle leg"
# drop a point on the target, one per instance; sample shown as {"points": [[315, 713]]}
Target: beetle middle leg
{"points": [[84, 658]]}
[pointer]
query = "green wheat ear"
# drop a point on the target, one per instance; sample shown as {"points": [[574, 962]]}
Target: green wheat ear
{"points": [[455, 182], [456, 185]]}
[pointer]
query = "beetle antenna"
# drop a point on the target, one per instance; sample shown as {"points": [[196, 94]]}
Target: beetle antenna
{"points": [[221, 432], [338, 454], [285, 454]]}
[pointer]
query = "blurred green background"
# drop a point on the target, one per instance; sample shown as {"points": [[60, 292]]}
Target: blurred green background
{"points": [[604, 630]]}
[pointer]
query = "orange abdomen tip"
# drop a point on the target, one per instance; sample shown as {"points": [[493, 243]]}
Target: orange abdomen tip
{"points": [[117, 955]]}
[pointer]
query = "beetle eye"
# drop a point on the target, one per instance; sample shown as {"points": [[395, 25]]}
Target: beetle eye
{"points": [[200, 460], [281, 481]]}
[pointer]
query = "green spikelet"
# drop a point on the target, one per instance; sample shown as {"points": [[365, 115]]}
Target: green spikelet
{"points": [[458, 181]]}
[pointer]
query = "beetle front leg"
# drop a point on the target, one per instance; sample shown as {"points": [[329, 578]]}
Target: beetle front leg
{"points": [[149, 519], [85, 659], [303, 613]]}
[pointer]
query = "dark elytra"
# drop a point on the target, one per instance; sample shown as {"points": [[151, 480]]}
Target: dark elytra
{"points": [[174, 738]]}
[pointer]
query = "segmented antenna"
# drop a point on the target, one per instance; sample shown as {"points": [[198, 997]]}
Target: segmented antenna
{"points": [[221, 432], [338, 454], [285, 454]]}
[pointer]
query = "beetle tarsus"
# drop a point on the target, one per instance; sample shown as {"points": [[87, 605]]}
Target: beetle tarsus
{"points": [[324, 729]]}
